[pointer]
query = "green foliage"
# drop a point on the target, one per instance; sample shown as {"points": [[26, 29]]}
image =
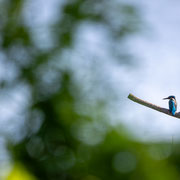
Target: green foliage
{"points": [[66, 132]]}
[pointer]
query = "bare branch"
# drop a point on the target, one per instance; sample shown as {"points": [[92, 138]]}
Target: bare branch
{"points": [[152, 106]]}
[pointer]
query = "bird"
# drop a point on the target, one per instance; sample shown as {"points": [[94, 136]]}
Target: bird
{"points": [[172, 104]]}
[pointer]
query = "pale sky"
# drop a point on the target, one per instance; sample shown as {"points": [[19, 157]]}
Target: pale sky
{"points": [[158, 76]]}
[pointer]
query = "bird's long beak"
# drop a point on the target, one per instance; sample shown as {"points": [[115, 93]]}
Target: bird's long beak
{"points": [[165, 98]]}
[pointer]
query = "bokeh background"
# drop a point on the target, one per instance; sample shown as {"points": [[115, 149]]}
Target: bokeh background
{"points": [[66, 69]]}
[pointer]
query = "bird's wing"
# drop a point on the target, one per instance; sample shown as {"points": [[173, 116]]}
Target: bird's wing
{"points": [[171, 105]]}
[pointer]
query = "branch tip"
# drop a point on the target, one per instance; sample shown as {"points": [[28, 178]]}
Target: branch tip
{"points": [[152, 106]]}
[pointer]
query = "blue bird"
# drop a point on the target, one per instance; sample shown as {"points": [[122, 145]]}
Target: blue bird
{"points": [[172, 104]]}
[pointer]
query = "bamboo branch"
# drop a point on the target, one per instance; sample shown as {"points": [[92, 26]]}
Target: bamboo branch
{"points": [[152, 106]]}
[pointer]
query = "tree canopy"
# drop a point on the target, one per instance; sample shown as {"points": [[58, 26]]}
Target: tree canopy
{"points": [[56, 93]]}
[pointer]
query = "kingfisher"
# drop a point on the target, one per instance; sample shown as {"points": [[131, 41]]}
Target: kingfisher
{"points": [[172, 104]]}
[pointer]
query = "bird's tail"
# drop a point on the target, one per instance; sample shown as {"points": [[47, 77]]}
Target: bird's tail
{"points": [[173, 113]]}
